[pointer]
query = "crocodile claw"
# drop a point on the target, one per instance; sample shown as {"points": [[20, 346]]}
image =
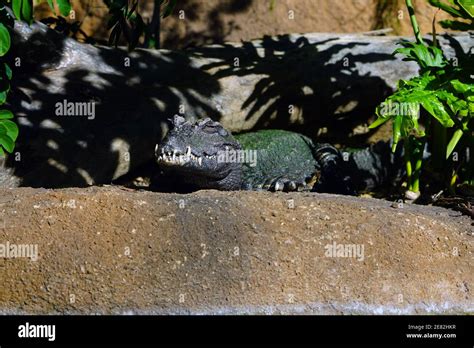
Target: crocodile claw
{"points": [[284, 184]]}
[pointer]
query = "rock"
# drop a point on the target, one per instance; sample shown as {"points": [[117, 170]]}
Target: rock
{"points": [[118, 251], [300, 82]]}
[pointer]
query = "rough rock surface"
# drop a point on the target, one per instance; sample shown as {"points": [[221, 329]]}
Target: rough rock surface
{"points": [[210, 21], [312, 83], [113, 250]]}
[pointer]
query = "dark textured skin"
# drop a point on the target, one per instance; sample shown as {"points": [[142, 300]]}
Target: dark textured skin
{"points": [[286, 161], [205, 138], [280, 154], [286, 157]]}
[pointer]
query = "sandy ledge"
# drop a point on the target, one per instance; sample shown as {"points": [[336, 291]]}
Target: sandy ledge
{"points": [[112, 250]]}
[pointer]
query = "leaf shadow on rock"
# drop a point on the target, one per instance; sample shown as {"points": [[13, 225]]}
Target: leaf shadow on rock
{"points": [[319, 80], [134, 93], [132, 104]]}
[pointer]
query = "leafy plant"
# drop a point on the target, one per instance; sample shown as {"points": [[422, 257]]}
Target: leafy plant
{"points": [[64, 6], [463, 9], [67, 28], [22, 10], [8, 129], [443, 93], [125, 20], [61, 24]]}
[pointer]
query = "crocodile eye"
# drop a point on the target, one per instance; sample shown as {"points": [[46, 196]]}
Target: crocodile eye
{"points": [[222, 132]]}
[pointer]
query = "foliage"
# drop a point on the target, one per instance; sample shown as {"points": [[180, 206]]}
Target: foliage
{"points": [[63, 5], [22, 10], [126, 20], [8, 129], [444, 91], [61, 24], [67, 28], [463, 9]]}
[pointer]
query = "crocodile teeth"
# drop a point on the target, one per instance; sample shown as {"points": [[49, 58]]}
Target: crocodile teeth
{"points": [[199, 161], [188, 151]]}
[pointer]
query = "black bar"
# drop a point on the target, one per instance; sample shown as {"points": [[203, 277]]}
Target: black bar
{"points": [[135, 330]]}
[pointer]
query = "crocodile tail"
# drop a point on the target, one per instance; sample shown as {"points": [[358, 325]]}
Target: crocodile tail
{"points": [[375, 166], [334, 177]]}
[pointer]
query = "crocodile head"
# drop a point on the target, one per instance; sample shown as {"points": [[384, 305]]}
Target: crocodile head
{"points": [[191, 151]]}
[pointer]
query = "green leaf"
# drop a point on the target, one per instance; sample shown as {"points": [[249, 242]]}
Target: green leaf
{"points": [[5, 114], [378, 122], [3, 97], [461, 87], [2, 153], [132, 10], [16, 7], [169, 8], [11, 127], [139, 27], [4, 40], [397, 124], [113, 20], [64, 7], [23, 10], [455, 104], [453, 142], [115, 35], [470, 107], [8, 71], [449, 9], [5, 141], [437, 110], [468, 6], [27, 10], [51, 5], [426, 57]]}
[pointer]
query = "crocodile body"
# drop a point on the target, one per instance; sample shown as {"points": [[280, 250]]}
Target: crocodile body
{"points": [[205, 155]]}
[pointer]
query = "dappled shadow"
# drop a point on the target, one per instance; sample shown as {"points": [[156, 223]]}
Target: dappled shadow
{"points": [[215, 30], [464, 58], [319, 82], [134, 94]]}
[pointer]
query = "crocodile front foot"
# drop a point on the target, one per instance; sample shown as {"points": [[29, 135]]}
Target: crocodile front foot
{"points": [[284, 184]]}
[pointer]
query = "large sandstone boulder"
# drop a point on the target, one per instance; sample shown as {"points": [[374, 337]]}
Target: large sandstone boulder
{"points": [[115, 251]]}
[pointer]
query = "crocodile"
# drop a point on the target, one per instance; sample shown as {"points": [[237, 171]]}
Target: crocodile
{"points": [[204, 155]]}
